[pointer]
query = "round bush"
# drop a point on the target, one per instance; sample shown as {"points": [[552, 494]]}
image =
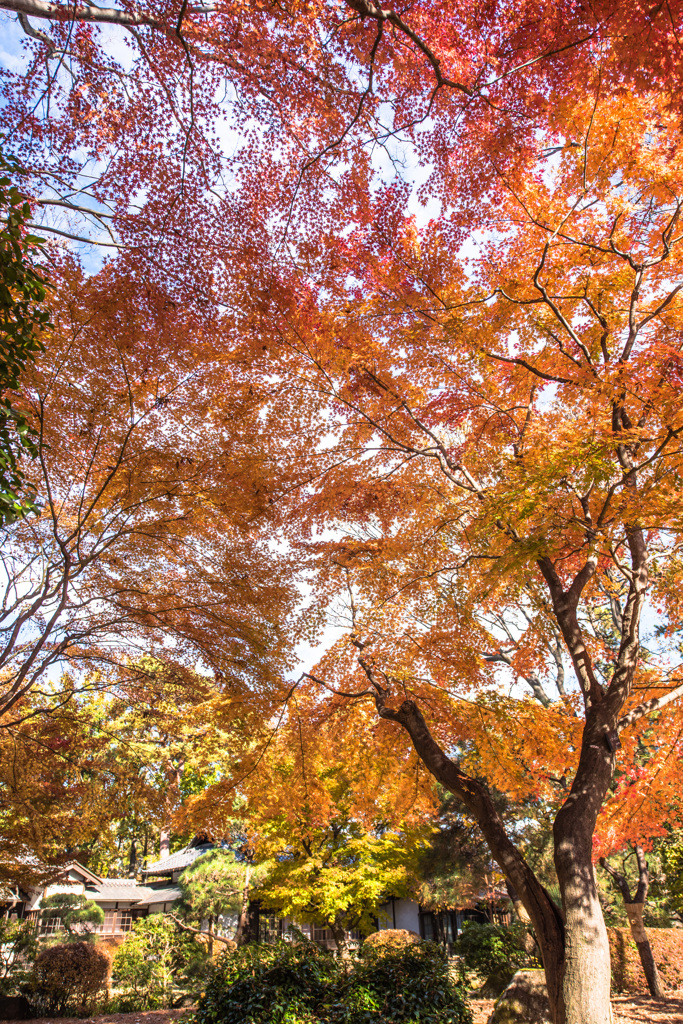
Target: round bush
{"points": [[490, 951], [69, 978], [270, 985], [393, 938], [405, 984]]}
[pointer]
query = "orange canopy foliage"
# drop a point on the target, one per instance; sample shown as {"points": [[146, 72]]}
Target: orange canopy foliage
{"points": [[153, 491], [476, 418]]}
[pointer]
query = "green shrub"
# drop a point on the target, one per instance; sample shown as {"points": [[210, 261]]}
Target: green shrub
{"points": [[68, 979], [270, 985], [491, 951], [411, 983], [18, 948], [303, 984], [154, 958]]}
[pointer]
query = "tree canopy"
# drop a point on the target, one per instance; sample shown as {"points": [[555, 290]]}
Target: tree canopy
{"points": [[390, 331]]}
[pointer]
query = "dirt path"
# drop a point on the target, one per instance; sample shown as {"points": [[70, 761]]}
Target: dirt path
{"points": [[627, 1010], [148, 1017], [634, 1009], [481, 1009]]}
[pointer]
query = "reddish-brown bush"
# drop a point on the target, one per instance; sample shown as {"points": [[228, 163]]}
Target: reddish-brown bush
{"points": [[69, 978], [627, 972]]}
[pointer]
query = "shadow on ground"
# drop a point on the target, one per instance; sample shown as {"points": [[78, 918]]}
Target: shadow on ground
{"points": [[627, 1010]]}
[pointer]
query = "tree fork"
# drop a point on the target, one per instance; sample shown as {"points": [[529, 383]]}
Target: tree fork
{"points": [[544, 914]]}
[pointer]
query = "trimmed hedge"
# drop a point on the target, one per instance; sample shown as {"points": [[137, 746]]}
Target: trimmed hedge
{"points": [[391, 938], [302, 984], [627, 972]]}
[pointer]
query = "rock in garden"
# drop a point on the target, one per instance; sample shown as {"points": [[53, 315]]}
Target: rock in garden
{"points": [[524, 1001], [496, 983]]}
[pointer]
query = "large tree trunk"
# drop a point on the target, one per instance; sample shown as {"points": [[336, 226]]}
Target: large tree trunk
{"points": [[545, 916], [574, 946], [587, 975]]}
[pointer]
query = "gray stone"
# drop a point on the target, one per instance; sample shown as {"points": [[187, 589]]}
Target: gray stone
{"points": [[496, 983], [524, 1001]]}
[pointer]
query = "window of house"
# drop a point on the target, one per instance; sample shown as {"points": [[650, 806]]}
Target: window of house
{"points": [[109, 925], [270, 928], [427, 926], [439, 927], [125, 921], [51, 925]]}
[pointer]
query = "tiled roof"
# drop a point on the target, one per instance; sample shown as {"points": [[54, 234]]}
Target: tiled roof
{"points": [[168, 895], [177, 861], [81, 870], [117, 889]]}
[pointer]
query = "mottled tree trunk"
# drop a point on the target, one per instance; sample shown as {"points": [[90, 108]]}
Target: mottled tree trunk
{"points": [[573, 942], [587, 974], [545, 916], [634, 911]]}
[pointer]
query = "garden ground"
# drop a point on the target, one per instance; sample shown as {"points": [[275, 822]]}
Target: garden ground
{"points": [[146, 1017], [627, 1010]]}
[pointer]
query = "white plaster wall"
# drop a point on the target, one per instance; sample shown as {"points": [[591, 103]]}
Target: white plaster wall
{"points": [[37, 895], [406, 912]]}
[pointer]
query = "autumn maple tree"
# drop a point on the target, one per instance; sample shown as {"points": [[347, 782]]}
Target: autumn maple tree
{"points": [[89, 771], [147, 540], [64, 781], [509, 458], [482, 410]]}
